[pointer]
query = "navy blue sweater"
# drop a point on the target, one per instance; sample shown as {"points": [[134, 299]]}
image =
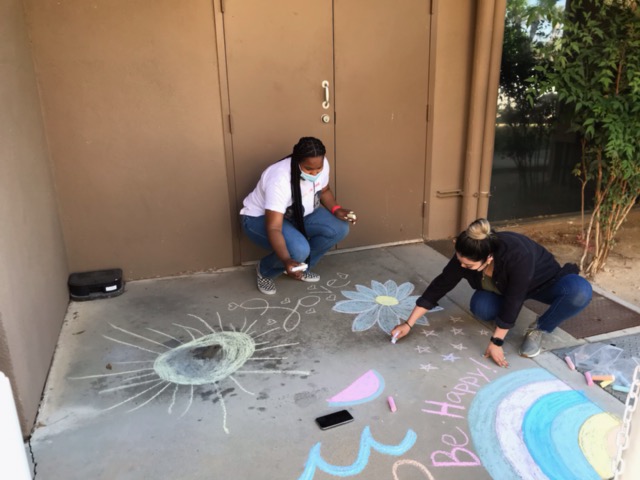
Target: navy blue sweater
{"points": [[521, 267]]}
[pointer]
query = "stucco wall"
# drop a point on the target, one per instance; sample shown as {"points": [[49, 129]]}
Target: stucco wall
{"points": [[33, 273], [131, 101]]}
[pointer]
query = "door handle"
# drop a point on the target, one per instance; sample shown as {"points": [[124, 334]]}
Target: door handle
{"points": [[325, 85]]}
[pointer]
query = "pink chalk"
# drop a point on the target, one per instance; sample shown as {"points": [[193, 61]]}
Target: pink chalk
{"points": [[392, 404], [587, 375], [569, 362]]}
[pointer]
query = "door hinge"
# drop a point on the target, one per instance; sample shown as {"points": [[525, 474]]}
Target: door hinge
{"points": [[430, 7], [424, 208], [230, 124], [222, 6], [427, 114]]}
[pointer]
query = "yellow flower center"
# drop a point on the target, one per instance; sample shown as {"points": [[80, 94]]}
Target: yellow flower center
{"points": [[386, 300]]}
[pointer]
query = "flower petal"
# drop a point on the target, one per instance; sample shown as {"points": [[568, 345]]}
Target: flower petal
{"points": [[366, 297], [392, 288], [365, 320], [387, 319], [404, 290], [378, 288], [367, 290], [353, 306], [403, 310], [423, 321]]}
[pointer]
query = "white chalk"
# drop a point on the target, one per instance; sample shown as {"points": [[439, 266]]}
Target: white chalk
{"points": [[395, 338], [392, 404], [300, 268]]}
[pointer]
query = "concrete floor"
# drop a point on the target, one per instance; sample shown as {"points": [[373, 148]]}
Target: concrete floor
{"points": [[203, 377]]}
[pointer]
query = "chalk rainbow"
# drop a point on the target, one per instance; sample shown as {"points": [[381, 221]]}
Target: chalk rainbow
{"points": [[529, 424]]}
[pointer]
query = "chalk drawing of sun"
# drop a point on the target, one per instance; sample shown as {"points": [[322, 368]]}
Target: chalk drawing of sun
{"points": [[204, 358], [386, 304]]}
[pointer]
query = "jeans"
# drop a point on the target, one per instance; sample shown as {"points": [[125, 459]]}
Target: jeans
{"points": [[566, 297], [323, 229]]}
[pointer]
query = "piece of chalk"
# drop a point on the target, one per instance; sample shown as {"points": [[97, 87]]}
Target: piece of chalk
{"points": [[569, 362], [395, 338], [300, 268], [606, 378], [587, 376], [392, 404], [606, 383], [620, 388]]}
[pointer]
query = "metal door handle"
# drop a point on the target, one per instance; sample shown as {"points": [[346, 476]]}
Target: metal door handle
{"points": [[325, 85]]}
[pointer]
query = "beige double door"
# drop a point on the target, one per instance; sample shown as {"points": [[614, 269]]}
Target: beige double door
{"points": [[350, 72]]}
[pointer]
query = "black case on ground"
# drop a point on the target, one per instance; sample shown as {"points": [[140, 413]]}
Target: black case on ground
{"points": [[97, 284]]}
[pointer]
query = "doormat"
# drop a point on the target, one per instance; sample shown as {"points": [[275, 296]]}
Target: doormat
{"points": [[602, 315]]}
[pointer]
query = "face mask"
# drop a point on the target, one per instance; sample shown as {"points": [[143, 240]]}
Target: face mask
{"points": [[310, 178]]}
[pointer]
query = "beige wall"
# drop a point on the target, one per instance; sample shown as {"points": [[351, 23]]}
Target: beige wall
{"points": [[131, 100], [33, 272], [452, 47]]}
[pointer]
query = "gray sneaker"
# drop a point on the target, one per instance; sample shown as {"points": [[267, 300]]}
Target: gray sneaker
{"points": [[532, 343], [265, 284]]}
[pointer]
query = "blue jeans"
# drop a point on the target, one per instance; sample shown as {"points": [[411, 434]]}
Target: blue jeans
{"points": [[323, 229], [566, 297]]}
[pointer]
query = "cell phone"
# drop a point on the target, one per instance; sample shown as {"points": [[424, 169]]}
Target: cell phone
{"points": [[334, 419]]}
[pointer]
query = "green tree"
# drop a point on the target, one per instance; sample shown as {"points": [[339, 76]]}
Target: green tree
{"points": [[594, 68]]}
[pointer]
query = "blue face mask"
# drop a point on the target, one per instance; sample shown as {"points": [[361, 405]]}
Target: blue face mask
{"points": [[310, 178]]}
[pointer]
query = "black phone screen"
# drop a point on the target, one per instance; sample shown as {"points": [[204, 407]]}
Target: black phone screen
{"points": [[334, 419]]}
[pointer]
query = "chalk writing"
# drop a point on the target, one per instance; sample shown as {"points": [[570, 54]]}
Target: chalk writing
{"points": [[458, 456], [444, 409], [412, 463], [292, 318]]}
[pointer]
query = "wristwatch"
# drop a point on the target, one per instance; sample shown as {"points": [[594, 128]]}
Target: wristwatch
{"points": [[497, 341]]}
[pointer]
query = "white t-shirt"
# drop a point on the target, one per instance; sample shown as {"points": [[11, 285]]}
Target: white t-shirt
{"points": [[273, 191]]}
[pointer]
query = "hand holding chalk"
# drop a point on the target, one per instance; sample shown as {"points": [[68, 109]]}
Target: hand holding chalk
{"points": [[395, 338], [300, 268], [392, 404]]}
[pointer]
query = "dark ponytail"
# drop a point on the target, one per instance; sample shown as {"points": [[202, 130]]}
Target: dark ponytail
{"points": [[478, 241], [305, 148]]}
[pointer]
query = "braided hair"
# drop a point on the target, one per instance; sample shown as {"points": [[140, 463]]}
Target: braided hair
{"points": [[305, 148], [478, 241]]}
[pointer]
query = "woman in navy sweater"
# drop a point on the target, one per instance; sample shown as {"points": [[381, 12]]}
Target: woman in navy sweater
{"points": [[505, 269]]}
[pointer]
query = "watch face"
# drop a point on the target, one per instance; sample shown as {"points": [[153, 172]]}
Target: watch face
{"points": [[497, 341]]}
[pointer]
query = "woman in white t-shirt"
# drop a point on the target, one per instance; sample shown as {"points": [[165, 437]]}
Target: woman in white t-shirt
{"points": [[293, 213]]}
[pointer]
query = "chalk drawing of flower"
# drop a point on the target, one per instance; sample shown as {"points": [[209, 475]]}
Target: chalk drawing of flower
{"points": [[386, 304]]}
